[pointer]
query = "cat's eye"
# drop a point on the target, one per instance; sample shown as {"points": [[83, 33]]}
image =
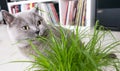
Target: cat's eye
{"points": [[25, 28], [38, 23]]}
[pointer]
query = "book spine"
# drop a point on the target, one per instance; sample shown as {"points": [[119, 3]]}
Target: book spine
{"points": [[84, 14], [75, 12], [55, 14], [71, 12], [79, 12], [20, 7], [15, 9], [48, 10], [51, 13], [63, 6], [12, 9], [68, 13]]}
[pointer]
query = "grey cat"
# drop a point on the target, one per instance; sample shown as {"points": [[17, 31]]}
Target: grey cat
{"points": [[28, 25]]}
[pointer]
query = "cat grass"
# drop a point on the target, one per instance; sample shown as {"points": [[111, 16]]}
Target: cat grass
{"points": [[71, 53]]}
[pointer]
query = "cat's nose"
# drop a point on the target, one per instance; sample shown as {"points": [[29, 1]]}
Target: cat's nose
{"points": [[37, 32]]}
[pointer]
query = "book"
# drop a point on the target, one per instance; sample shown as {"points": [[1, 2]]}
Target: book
{"points": [[79, 12], [55, 14], [48, 11], [21, 7], [15, 9], [50, 14], [45, 13], [72, 9], [51, 11], [76, 12], [84, 14], [63, 11]]}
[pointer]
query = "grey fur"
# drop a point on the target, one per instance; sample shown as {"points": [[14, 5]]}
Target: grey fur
{"points": [[15, 24]]}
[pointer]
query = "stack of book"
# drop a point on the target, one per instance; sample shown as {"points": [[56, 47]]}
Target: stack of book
{"points": [[21, 7], [49, 11], [74, 12]]}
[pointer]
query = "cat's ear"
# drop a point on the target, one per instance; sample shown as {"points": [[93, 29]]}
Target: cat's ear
{"points": [[7, 17]]}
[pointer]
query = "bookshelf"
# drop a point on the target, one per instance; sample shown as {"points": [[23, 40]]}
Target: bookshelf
{"points": [[90, 13], [31, 1], [28, 1], [47, 8]]}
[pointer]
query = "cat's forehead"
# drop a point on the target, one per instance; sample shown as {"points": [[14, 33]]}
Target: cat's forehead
{"points": [[18, 22], [28, 15]]}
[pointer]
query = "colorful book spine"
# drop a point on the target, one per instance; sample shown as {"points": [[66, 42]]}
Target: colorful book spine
{"points": [[51, 13], [76, 13], [21, 7], [71, 13], [55, 14], [15, 9], [79, 12], [63, 11], [84, 14]]}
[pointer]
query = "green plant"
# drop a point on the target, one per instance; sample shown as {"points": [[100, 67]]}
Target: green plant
{"points": [[69, 53]]}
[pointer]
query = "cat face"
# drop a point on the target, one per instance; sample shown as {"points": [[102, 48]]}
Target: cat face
{"points": [[25, 25]]}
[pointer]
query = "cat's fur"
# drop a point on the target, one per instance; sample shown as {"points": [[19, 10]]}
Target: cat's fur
{"points": [[28, 25]]}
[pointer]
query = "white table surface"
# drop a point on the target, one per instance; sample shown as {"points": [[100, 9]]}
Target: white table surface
{"points": [[9, 52]]}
